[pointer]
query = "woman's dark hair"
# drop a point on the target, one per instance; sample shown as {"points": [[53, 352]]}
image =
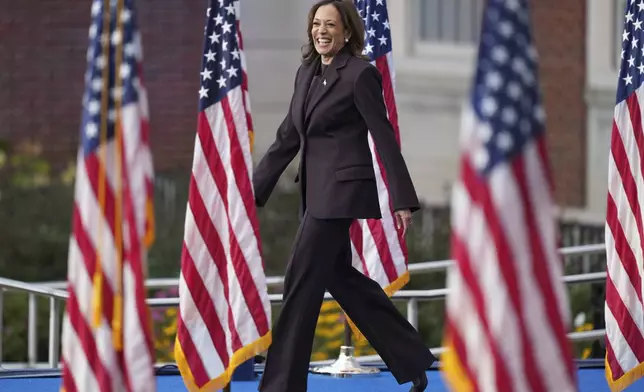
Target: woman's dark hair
{"points": [[351, 22]]}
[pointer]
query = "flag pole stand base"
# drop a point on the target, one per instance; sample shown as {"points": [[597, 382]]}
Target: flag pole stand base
{"points": [[345, 366]]}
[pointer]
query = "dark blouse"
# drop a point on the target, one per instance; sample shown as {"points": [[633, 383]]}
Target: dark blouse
{"points": [[316, 83]]}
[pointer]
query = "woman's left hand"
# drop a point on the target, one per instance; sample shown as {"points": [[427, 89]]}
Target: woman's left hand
{"points": [[403, 220]]}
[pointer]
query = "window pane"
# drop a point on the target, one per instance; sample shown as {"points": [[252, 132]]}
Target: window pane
{"points": [[450, 21], [429, 20]]}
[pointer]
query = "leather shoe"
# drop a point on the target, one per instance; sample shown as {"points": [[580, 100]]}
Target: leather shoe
{"points": [[420, 383]]}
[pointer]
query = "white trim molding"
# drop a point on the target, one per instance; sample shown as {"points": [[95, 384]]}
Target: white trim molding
{"points": [[602, 24]]}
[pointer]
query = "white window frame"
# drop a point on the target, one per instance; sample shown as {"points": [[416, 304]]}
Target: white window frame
{"points": [[414, 56], [432, 49], [604, 24]]}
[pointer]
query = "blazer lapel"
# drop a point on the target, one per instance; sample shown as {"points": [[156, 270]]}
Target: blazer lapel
{"points": [[302, 88], [327, 81]]}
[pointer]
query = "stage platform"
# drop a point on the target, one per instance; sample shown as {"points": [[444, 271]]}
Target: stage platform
{"points": [[591, 379]]}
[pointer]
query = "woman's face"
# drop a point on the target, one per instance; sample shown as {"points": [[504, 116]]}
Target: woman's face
{"points": [[327, 31]]}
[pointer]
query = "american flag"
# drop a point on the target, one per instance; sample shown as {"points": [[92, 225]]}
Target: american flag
{"points": [[624, 310], [379, 249], [224, 311], [507, 308], [107, 339]]}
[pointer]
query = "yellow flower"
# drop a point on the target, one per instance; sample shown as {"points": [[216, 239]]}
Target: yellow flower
{"points": [[333, 344], [586, 353], [171, 329]]}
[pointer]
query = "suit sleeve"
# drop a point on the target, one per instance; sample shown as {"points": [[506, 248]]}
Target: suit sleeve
{"points": [[371, 105], [279, 155]]}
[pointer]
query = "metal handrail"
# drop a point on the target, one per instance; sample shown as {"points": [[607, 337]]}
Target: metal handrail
{"points": [[593, 277], [55, 296], [414, 268], [56, 293], [32, 288], [441, 265]]}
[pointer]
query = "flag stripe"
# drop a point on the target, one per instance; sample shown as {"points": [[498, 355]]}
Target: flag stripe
{"points": [[136, 338], [628, 328], [626, 359], [623, 252], [379, 249], [68, 384], [193, 360], [248, 246], [136, 323], [481, 195], [223, 298], [392, 238], [637, 167], [532, 305], [537, 166], [540, 266], [93, 165], [358, 251], [502, 376], [206, 307], [509, 306], [382, 63], [458, 345], [613, 368], [86, 340], [624, 245], [464, 318], [106, 312], [486, 284], [204, 362], [237, 260], [82, 259], [76, 368], [380, 240], [624, 168], [624, 302], [625, 191], [216, 253]]}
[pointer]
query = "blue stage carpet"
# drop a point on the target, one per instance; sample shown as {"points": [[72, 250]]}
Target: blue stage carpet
{"points": [[590, 380]]}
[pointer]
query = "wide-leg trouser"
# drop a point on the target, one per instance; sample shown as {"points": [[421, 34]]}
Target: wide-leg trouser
{"points": [[321, 259]]}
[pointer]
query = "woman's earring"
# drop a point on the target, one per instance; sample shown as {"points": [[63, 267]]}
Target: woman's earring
{"points": [[346, 40]]}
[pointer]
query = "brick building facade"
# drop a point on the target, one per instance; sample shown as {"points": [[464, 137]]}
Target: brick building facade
{"points": [[559, 31], [42, 62], [43, 48]]}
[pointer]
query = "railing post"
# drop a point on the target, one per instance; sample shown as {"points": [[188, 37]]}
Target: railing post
{"points": [[54, 333], [32, 344], [412, 312]]}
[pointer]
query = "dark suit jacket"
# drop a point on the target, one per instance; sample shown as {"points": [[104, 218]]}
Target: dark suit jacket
{"points": [[336, 171]]}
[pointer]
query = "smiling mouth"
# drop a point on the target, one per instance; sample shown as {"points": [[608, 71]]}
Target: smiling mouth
{"points": [[323, 41]]}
